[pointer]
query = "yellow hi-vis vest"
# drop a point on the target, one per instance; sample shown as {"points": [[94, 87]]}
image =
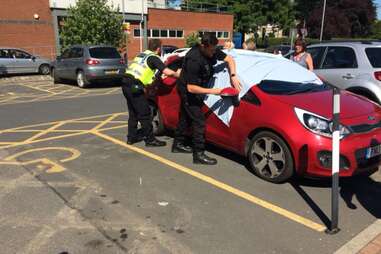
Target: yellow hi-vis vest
{"points": [[140, 69]]}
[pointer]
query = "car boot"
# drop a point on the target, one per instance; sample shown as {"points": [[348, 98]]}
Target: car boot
{"points": [[155, 142], [202, 158], [180, 147]]}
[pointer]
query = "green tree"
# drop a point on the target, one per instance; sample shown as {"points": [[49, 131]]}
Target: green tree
{"points": [[191, 40], [92, 22], [376, 30]]}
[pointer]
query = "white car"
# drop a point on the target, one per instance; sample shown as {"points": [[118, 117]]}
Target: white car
{"points": [[178, 52]]}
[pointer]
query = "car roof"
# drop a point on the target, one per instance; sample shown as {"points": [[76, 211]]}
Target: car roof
{"points": [[349, 43]]}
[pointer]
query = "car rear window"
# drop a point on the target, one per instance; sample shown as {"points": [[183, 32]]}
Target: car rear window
{"points": [[374, 56], [104, 53]]}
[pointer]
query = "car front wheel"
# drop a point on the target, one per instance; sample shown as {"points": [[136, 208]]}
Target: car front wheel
{"points": [[56, 79], [44, 69], [270, 157], [81, 79]]}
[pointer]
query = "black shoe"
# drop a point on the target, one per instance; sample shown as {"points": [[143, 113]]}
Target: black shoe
{"points": [[132, 141], [179, 147], [202, 158], [155, 142]]}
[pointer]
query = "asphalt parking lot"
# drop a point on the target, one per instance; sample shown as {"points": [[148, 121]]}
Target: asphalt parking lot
{"points": [[70, 184]]}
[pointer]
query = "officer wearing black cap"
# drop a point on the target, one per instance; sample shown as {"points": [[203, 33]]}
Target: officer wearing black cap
{"points": [[192, 86], [139, 75]]}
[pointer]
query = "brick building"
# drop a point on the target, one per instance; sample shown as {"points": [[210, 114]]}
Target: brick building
{"points": [[34, 25]]}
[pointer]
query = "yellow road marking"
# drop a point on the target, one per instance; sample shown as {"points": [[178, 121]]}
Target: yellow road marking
{"points": [[276, 209], [36, 88], [45, 131], [103, 123]]}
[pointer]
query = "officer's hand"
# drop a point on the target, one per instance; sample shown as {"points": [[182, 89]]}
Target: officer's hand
{"points": [[236, 84]]}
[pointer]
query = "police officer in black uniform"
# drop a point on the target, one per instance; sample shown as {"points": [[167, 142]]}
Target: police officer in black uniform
{"points": [[140, 74], [192, 86]]}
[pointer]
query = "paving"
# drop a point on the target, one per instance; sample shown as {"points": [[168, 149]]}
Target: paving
{"points": [[70, 184]]}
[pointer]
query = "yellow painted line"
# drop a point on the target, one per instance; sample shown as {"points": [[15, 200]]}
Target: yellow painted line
{"points": [[36, 88], [74, 153], [274, 208], [114, 128], [103, 123], [45, 131]]}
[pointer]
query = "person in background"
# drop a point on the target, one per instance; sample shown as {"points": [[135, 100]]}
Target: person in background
{"points": [[300, 55], [250, 43], [229, 45]]}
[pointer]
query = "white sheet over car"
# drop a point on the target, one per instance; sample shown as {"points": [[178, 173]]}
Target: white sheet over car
{"points": [[252, 68]]}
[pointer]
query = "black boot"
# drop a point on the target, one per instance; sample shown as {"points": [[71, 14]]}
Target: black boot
{"points": [[202, 158], [134, 140], [179, 147], [155, 142]]}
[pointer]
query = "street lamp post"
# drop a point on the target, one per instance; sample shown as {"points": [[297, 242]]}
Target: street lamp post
{"points": [[322, 21], [141, 26]]}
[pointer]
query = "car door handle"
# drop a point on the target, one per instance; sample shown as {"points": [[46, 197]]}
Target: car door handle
{"points": [[348, 76]]}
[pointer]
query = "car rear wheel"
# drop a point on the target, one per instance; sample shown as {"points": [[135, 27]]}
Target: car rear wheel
{"points": [[157, 121], [44, 69], [56, 79], [82, 82], [270, 157]]}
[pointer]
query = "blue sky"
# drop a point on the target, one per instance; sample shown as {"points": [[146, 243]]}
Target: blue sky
{"points": [[378, 3]]}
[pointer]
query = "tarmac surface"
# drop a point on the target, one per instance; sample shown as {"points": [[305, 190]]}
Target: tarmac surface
{"points": [[70, 184]]}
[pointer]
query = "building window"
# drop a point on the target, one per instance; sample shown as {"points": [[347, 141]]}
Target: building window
{"points": [[179, 33], [226, 35], [172, 33], [155, 33], [163, 33], [136, 32]]}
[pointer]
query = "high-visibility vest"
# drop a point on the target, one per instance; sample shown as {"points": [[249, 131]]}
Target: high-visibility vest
{"points": [[140, 69]]}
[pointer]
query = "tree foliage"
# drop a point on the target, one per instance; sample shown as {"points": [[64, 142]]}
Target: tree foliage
{"points": [[92, 22], [344, 18], [250, 14], [191, 40]]}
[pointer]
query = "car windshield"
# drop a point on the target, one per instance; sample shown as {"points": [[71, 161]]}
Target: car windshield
{"points": [[374, 56], [104, 53], [277, 87]]}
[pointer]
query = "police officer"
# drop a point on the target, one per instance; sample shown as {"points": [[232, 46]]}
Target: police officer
{"points": [[139, 75], [192, 86]]}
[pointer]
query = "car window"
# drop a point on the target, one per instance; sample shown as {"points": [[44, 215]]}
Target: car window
{"points": [[340, 58], [287, 88], [66, 54], [374, 56], [317, 55], [104, 53], [76, 53], [4, 53], [22, 55]]}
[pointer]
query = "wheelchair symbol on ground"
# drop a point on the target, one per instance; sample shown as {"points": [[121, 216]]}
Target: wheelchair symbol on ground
{"points": [[50, 165]]}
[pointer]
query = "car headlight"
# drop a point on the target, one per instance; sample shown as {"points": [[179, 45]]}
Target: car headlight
{"points": [[318, 124]]}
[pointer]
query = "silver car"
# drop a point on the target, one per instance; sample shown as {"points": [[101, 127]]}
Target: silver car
{"points": [[354, 66], [86, 64], [18, 61]]}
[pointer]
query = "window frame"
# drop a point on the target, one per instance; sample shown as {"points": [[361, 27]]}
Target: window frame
{"points": [[335, 68]]}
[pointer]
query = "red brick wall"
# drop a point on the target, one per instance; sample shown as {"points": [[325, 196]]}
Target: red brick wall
{"points": [[188, 21], [19, 29]]}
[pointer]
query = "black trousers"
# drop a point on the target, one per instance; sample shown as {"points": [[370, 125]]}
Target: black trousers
{"points": [[191, 115], [138, 111]]}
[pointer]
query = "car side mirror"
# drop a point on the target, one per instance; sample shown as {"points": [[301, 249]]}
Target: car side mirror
{"points": [[33, 58]]}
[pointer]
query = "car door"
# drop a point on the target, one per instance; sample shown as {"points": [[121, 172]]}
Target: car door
{"points": [[7, 62], [25, 63], [339, 66], [74, 62], [62, 64]]}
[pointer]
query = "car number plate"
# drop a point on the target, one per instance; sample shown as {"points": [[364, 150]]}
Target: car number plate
{"points": [[373, 151], [111, 72]]}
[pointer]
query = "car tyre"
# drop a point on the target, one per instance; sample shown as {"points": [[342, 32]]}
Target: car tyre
{"points": [[270, 157], [44, 69], [56, 79], [82, 82], [157, 121]]}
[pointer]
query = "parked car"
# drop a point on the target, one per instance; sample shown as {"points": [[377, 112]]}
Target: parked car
{"points": [[353, 66], [282, 49], [86, 64], [18, 61], [167, 49], [284, 128], [178, 52]]}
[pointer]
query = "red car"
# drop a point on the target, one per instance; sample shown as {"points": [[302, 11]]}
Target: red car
{"points": [[285, 129]]}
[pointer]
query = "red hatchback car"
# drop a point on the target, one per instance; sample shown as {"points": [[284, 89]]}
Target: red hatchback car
{"points": [[284, 128]]}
